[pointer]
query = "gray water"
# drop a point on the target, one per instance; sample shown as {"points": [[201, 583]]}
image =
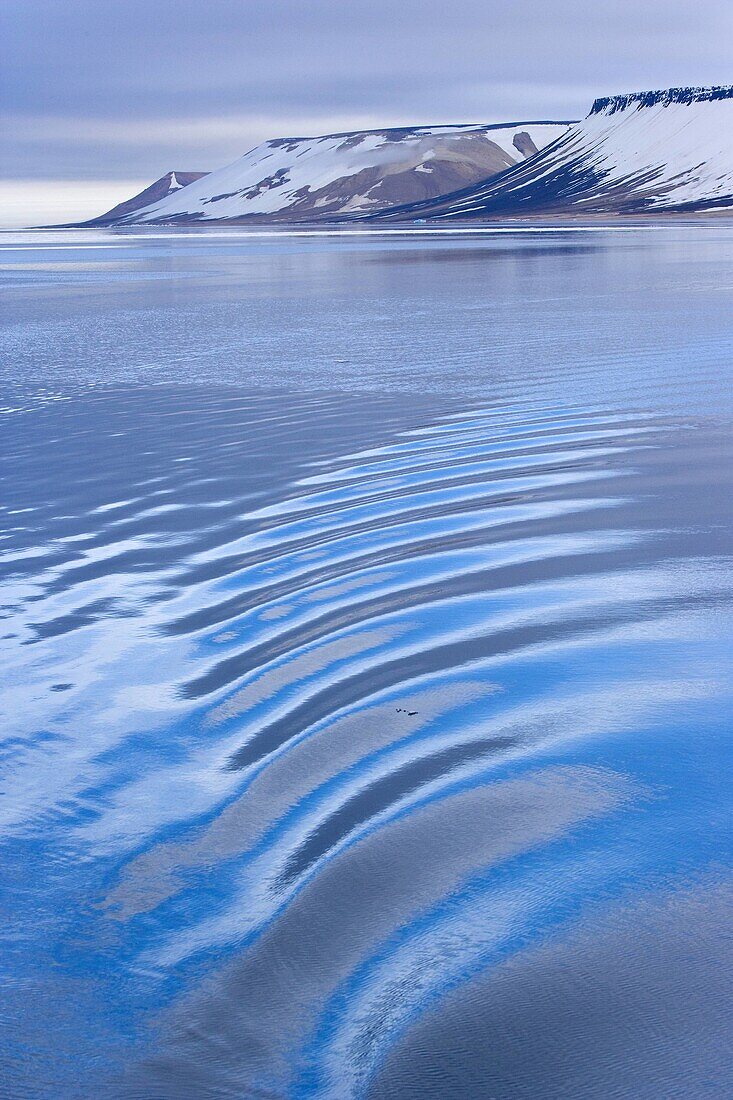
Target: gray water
{"points": [[366, 663]]}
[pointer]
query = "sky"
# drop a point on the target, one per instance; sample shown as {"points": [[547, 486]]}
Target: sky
{"points": [[100, 97]]}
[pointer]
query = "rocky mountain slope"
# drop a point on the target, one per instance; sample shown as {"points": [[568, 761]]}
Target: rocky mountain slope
{"points": [[643, 152], [167, 185], [316, 178]]}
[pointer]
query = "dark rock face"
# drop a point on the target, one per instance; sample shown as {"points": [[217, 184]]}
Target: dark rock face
{"points": [[610, 104], [524, 144], [171, 181]]}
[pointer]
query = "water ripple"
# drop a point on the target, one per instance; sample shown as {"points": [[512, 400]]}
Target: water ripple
{"points": [[327, 720]]}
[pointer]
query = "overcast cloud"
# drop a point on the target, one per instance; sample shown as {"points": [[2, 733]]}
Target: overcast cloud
{"points": [[126, 89]]}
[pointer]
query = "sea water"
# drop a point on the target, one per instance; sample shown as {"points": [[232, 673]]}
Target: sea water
{"points": [[365, 671]]}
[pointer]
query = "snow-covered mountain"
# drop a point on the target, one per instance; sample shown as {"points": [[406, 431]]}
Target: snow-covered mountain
{"points": [[307, 179], [166, 185], [647, 151]]}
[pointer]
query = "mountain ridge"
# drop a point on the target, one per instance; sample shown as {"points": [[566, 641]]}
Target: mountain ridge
{"points": [[328, 176], [165, 185], [692, 94], [642, 152], [665, 150]]}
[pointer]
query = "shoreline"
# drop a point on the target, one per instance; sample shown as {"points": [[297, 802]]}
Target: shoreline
{"points": [[538, 222]]}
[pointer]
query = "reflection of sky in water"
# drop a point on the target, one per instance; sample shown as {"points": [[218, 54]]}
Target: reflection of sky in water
{"points": [[362, 745]]}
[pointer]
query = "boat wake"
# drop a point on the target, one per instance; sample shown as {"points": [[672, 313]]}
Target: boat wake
{"points": [[340, 711]]}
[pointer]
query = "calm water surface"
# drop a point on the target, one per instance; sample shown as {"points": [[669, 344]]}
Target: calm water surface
{"points": [[366, 633]]}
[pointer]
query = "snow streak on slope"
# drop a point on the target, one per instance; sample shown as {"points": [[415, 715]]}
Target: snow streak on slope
{"points": [[310, 178], [668, 150]]}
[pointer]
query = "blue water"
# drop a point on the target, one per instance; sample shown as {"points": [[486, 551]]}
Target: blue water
{"points": [[366, 633]]}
